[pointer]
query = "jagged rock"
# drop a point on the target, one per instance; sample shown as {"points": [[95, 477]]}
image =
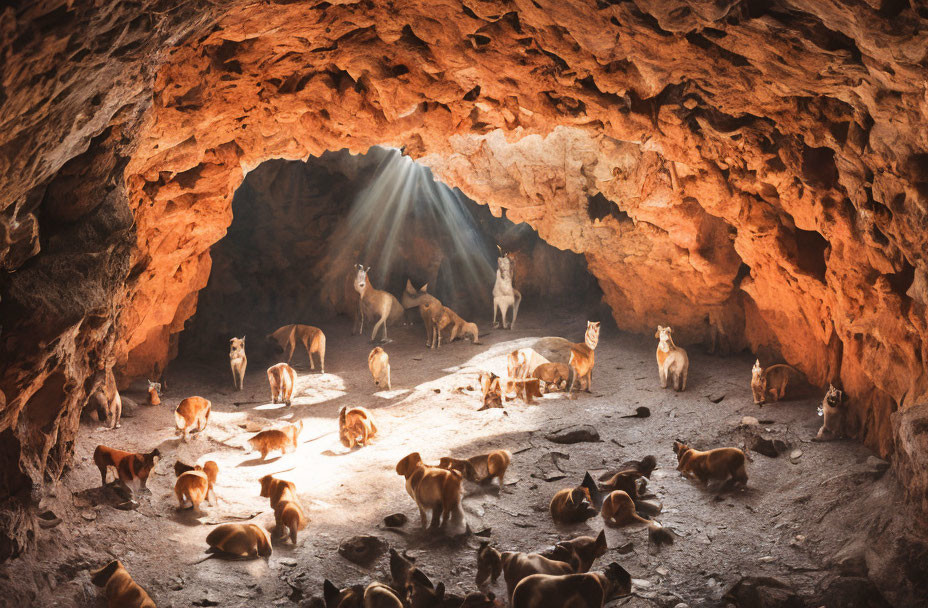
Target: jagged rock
{"points": [[768, 447], [395, 520], [763, 592], [363, 549]]}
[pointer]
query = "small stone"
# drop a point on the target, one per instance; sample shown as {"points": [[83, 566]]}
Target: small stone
{"points": [[662, 571], [750, 421], [641, 583], [287, 561], [362, 549], [716, 397], [89, 514], [395, 520], [795, 454], [436, 390], [766, 559]]}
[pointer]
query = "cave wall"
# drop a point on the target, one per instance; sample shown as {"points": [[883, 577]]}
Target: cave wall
{"points": [[767, 162]]}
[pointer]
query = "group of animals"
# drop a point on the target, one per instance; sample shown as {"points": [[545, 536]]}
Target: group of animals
{"points": [[558, 577]]}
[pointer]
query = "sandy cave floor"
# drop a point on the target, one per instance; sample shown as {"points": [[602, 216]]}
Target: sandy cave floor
{"points": [[772, 528]]}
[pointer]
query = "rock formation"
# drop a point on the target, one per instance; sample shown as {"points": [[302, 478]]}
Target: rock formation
{"points": [[751, 173]]}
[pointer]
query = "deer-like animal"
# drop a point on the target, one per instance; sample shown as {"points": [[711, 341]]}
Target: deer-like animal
{"points": [[504, 295], [375, 304]]}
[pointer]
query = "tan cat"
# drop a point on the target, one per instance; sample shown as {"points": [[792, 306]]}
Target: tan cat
{"points": [[312, 339], [835, 413], [355, 426], [672, 362], [717, 464], [772, 381], [590, 590], [192, 414], [459, 327], [282, 379], [378, 362], [121, 590], [238, 361], [284, 439], [619, 510], [239, 540]]}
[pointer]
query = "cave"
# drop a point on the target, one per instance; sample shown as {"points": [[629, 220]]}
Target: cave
{"points": [[751, 174], [299, 228]]}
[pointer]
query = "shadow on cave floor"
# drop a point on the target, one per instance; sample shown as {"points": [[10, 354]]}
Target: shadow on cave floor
{"points": [[788, 523]]}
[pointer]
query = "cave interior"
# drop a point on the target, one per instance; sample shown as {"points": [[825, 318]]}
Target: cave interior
{"points": [[752, 174]]}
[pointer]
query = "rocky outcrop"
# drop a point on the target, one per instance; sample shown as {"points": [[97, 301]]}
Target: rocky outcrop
{"points": [[910, 428], [752, 174]]}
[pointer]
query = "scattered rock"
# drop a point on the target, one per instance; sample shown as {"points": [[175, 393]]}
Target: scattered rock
{"points": [[749, 421], [768, 447], [206, 600], [766, 559], [363, 549], [763, 592], [851, 559], [625, 549], [877, 465], [852, 592], [574, 434], [795, 455], [716, 397], [89, 514], [662, 571], [436, 390], [641, 583], [395, 520], [47, 519], [287, 561], [658, 535]]}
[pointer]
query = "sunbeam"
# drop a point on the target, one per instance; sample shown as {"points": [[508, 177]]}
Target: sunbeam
{"points": [[403, 192]]}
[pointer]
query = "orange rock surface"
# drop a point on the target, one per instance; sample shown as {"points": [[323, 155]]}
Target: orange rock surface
{"points": [[765, 167]]}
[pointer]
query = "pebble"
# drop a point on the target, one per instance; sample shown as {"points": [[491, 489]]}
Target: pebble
{"points": [[641, 583], [795, 454], [749, 421], [662, 571], [287, 561], [766, 559]]}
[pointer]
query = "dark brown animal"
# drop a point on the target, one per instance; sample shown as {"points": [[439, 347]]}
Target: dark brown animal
{"points": [[516, 566], [585, 548], [572, 505], [718, 464], [121, 590], [590, 590], [434, 489], [131, 468], [479, 469], [239, 540]]}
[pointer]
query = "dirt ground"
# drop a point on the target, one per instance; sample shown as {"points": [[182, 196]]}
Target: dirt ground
{"points": [[786, 524]]}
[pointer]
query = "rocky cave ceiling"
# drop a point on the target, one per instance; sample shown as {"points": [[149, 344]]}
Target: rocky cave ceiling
{"points": [[767, 165]]}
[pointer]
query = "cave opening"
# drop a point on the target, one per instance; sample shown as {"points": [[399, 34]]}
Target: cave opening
{"points": [[299, 228]]}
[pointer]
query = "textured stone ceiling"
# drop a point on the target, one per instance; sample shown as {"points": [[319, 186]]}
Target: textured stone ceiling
{"points": [[767, 165]]}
